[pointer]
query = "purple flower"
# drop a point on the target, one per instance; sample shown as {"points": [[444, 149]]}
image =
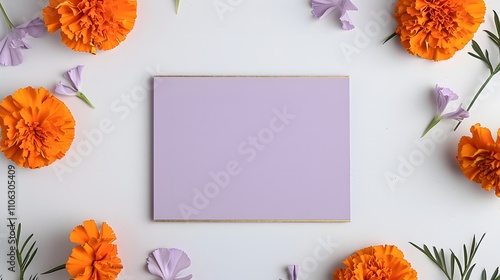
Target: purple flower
{"points": [[12, 44], [443, 97], [167, 263], [293, 272], [459, 114], [322, 8], [75, 78]]}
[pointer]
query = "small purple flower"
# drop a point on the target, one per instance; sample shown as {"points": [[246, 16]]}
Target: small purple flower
{"points": [[293, 272], [443, 97], [74, 76], [322, 8], [12, 44], [167, 263]]}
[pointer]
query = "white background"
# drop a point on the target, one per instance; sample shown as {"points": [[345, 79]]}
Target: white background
{"points": [[110, 179]]}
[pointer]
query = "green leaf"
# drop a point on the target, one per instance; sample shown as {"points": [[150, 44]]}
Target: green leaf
{"points": [[30, 258], [57, 268], [389, 38], [497, 22], [492, 37], [467, 276], [26, 243], [475, 55], [460, 268], [495, 274], [477, 48]]}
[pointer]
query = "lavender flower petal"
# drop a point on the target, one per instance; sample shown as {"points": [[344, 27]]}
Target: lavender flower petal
{"points": [[167, 263], [322, 8], [459, 114], [9, 54], [65, 90], [35, 28], [346, 22], [13, 42], [75, 76], [293, 270], [443, 97]]}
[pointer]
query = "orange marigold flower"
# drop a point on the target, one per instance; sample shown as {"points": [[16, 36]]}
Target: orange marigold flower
{"points": [[479, 158], [95, 257], [436, 29], [382, 262], [37, 128], [89, 24]]}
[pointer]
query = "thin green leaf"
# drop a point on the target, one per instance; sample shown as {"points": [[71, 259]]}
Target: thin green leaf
{"points": [[466, 262], [57, 268], [467, 276], [452, 261], [27, 256], [18, 234], [389, 38], [443, 259], [31, 258], [438, 258], [26, 243], [475, 55], [477, 49], [460, 268], [497, 22], [483, 275], [492, 37], [495, 274], [476, 246]]}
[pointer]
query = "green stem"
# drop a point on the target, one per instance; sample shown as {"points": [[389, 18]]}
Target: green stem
{"points": [[477, 95], [177, 4], [84, 98], [9, 23], [433, 123]]}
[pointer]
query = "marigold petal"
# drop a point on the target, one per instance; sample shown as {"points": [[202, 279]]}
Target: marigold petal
{"points": [[88, 25], [481, 136], [81, 257], [479, 158], [96, 258], [37, 128], [83, 233], [437, 29], [376, 262]]}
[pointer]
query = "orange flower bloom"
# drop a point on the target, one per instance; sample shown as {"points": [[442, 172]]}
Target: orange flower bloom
{"points": [[89, 24], [479, 158], [95, 257], [37, 128], [382, 262], [436, 29]]}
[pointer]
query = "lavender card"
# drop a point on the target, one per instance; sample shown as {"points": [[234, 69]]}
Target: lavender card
{"points": [[245, 149]]}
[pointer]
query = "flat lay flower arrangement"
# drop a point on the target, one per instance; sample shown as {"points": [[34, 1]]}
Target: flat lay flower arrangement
{"points": [[38, 128]]}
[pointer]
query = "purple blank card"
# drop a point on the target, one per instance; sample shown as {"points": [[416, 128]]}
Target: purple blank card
{"points": [[251, 149]]}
